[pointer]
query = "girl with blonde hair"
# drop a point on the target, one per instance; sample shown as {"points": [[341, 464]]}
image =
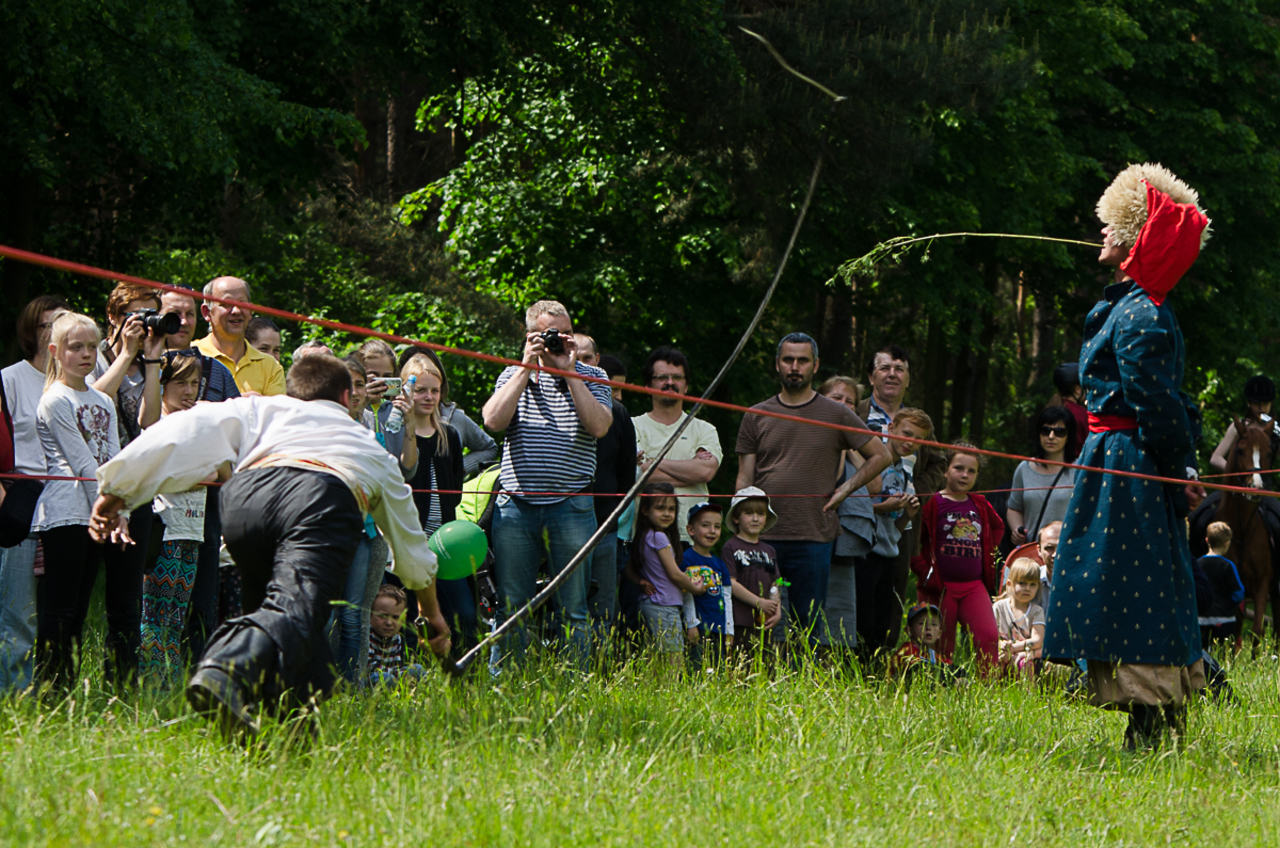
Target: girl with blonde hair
{"points": [[77, 428], [1019, 620]]}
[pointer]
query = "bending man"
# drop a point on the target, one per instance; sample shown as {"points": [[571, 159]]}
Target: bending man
{"points": [[304, 474]]}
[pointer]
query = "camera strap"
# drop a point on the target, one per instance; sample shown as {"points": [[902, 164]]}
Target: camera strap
{"points": [[206, 371]]}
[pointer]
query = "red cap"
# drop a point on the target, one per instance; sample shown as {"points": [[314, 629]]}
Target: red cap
{"points": [[1167, 246]]}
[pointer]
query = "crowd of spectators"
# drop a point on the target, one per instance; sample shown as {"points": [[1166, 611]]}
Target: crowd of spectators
{"points": [[814, 552]]}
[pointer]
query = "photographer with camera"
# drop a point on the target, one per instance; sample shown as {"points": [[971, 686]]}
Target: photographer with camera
{"points": [[548, 467], [129, 358]]}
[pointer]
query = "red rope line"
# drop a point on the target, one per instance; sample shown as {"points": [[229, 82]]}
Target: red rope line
{"points": [[89, 270], [16, 476]]}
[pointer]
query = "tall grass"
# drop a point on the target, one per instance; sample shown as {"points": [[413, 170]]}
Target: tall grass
{"points": [[638, 756]]}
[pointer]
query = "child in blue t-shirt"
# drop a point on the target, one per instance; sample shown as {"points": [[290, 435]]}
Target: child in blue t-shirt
{"points": [[715, 608]]}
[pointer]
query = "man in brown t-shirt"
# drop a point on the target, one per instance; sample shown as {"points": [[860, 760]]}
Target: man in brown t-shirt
{"points": [[791, 458]]}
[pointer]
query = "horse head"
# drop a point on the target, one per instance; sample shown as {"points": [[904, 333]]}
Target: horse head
{"points": [[1252, 453]]}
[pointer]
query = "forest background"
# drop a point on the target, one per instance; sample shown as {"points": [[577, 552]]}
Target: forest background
{"points": [[430, 168]]}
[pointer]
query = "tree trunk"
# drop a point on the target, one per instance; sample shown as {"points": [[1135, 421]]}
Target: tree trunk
{"points": [[982, 356], [933, 376], [22, 193], [961, 384], [232, 203], [1041, 342]]}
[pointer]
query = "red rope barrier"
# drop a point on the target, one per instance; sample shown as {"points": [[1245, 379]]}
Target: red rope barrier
{"points": [[89, 270]]}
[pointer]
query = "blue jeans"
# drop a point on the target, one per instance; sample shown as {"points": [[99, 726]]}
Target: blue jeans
{"points": [[518, 547], [807, 566], [344, 623], [604, 571], [17, 615], [458, 606]]}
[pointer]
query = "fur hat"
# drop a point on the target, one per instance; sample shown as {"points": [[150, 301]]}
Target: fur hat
{"points": [[1123, 206]]}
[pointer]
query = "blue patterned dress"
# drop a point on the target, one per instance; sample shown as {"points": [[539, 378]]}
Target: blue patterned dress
{"points": [[1123, 590]]}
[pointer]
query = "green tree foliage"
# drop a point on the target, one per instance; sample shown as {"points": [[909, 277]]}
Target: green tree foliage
{"points": [[645, 163]]}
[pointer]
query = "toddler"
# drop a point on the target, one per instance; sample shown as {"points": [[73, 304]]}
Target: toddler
{"points": [[387, 660], [924, 627], [1019, 619]]}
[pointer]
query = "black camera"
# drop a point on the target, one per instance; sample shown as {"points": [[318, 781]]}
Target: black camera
{"points": [[553, 341], [157, 324]]}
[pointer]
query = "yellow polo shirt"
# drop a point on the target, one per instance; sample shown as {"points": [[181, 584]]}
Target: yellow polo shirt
{"points": [[255, 372]]}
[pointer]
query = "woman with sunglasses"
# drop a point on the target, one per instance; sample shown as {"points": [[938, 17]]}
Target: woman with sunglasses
{"points": [[1041, 491]]}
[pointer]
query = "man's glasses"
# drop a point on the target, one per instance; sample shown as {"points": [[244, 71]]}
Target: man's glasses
{"points": [[1060, 432]]}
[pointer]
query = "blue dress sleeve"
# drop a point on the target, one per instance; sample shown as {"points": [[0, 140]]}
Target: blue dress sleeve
{"points": [[1148, 349]]}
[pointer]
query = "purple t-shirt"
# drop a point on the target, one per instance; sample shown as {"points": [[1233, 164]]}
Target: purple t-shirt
{"points": [[959, 541], [651, 569]]}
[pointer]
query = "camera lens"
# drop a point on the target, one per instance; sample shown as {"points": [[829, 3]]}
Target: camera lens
{"points": [[166, 324]]}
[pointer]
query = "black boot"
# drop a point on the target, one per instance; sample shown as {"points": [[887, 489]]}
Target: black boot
{"points": [[1146, 727], [222, 699]]}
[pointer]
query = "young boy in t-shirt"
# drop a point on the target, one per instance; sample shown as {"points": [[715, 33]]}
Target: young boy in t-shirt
{"points": [[715, 608], [753, 569], [1219, 621], [920, 655]]}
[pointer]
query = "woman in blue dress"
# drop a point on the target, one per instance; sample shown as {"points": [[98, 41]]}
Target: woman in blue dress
{"points": [[1124, 594]]}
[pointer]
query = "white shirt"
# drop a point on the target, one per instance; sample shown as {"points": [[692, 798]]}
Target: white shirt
{"points": [[78, 432], [182, 514], [23, 387], [651, 435], [180, 451]]}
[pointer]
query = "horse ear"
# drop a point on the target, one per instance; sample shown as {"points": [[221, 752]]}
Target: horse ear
{"points": [[1240, 427]]}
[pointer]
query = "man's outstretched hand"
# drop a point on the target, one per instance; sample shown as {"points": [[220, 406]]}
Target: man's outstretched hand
{"points": [[105, 522]]}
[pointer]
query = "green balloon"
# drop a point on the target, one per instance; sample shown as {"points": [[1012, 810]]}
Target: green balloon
{"points": [[460, 547]]}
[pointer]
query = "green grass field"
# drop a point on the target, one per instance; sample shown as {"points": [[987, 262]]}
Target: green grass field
{"points": [[636, 758]]}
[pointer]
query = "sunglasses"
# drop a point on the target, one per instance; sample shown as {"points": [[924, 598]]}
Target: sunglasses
{"points": [[1060, 432]]}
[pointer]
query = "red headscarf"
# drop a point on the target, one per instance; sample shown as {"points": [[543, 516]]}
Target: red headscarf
{"points": [[1167, 245]]}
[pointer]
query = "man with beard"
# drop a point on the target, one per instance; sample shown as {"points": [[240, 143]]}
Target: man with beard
{"points": [[790, 458]]}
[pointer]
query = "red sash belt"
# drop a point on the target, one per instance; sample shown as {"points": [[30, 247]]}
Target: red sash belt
{"points": [[1107, 423]]}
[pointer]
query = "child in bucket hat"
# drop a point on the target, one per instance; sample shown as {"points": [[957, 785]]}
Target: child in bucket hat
{"points": [[753, 567]]}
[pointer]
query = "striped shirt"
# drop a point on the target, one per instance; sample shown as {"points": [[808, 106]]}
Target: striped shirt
{"points": [[547, 448]]}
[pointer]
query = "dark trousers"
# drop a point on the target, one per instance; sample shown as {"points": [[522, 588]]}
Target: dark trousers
{"points": [[71, 561], [203, 617], [879, 607], [294, 534], [124, 573], [807, 565]]}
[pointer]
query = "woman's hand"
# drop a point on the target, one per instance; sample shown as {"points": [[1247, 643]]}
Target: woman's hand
{"points": [[153, 345], [699, 588], [769, 607], [374, 390], [408, 410], [691, 635], [648, 588], [131, 335], [772, 621]]}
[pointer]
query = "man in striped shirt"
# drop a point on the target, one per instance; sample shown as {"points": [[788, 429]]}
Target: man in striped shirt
{"points": [[548, 467]]}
